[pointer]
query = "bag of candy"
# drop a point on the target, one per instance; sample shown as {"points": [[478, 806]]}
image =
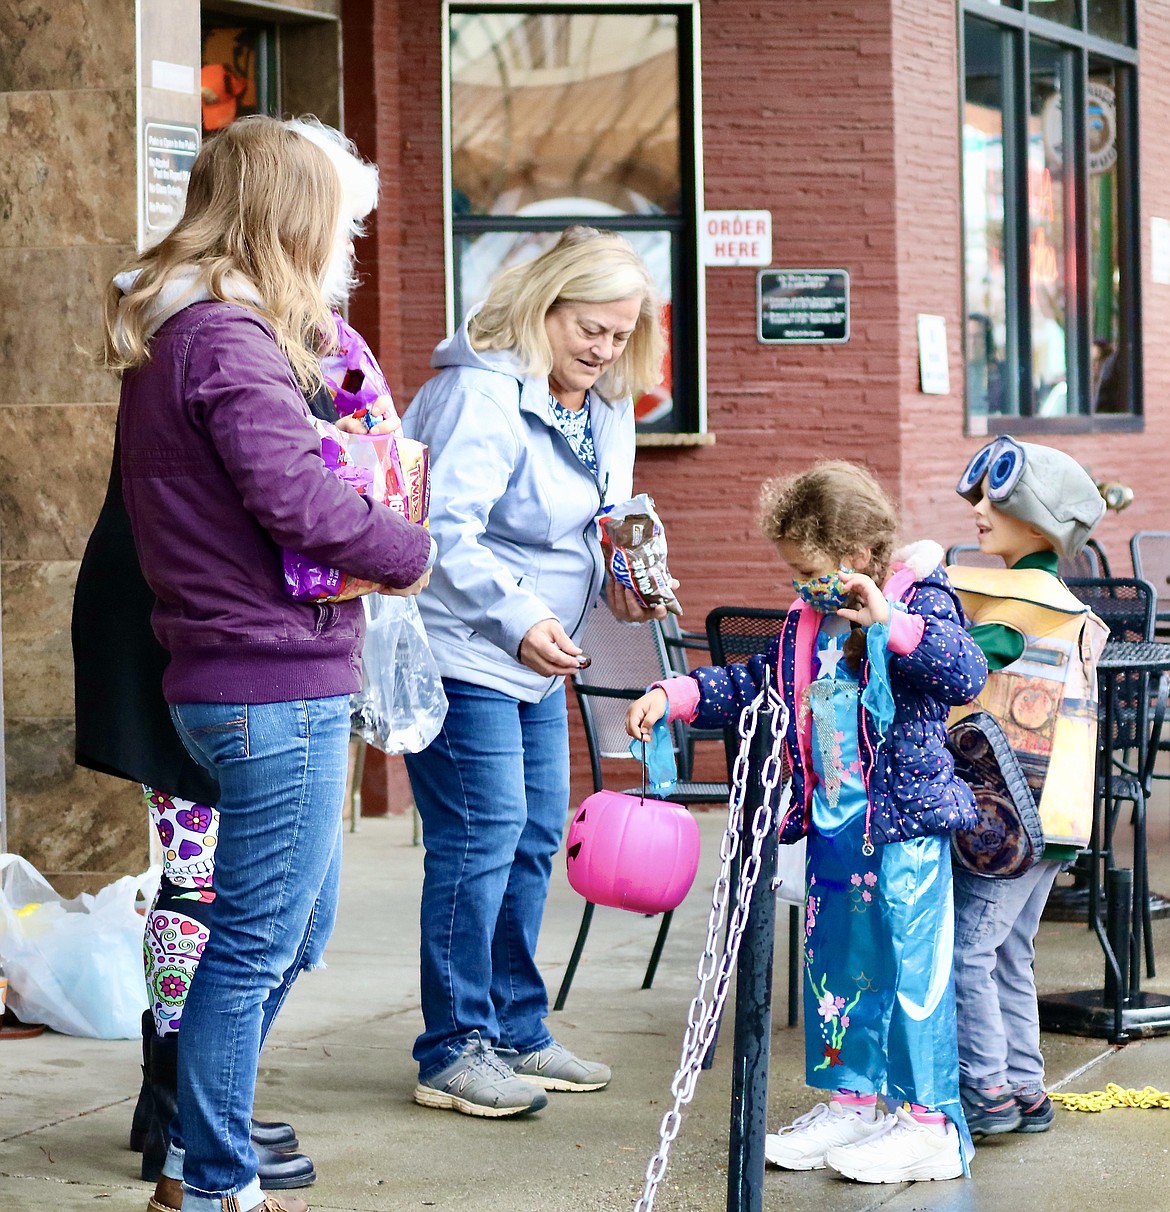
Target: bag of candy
{"points": [[634, 543], [386, 467]]}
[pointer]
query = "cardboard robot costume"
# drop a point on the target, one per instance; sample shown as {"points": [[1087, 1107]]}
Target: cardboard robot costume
{"points": [[1045, 702]]}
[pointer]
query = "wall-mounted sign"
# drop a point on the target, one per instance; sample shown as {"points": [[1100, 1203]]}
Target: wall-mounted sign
{"points": [[933, 368], [802, 306], [169, 151], [1160, 251], [736, 237], [1100, 127]]}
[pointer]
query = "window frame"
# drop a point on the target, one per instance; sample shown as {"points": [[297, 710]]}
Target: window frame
{"points": [[688, 287], [1016, 27]]}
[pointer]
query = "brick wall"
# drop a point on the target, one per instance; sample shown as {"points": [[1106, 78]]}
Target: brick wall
{"points": [[842, 119]]}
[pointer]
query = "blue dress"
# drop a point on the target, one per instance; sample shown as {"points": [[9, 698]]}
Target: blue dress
{"points": [[879, 999]]}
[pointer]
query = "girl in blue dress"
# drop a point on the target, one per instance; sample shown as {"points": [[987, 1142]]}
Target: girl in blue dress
{"points": [[871, 657]]}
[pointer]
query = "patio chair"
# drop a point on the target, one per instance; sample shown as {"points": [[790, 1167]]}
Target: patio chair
{"points": [[624, 661], [734, 634], [1127, 606], [1150, 552], [1089, 562], [680, 643]]}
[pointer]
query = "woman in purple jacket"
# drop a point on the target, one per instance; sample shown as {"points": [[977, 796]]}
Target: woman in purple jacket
{"points": [[870, 659], [218, 335]]}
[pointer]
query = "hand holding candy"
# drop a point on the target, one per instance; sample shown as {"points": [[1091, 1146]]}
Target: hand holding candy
{"points": [[872, 606]]}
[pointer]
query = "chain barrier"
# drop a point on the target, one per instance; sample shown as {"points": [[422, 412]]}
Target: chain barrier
{"points": [[1114, 1096], [703, 1016]]}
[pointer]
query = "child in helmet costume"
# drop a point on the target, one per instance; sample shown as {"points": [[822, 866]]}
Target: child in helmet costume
{"points": [[1032, 505]]}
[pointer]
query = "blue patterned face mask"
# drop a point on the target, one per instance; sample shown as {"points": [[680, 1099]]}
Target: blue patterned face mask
{"points": [[826, 593]]}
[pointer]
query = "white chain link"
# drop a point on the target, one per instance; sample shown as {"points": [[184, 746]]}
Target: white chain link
{"points": [[703, 1017]]}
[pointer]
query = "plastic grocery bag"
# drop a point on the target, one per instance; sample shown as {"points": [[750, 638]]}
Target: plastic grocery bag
{"points": [[401, 705], [74, 965]]}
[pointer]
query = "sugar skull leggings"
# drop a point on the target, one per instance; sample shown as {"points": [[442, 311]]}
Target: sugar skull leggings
{"points": [[176, 927]]}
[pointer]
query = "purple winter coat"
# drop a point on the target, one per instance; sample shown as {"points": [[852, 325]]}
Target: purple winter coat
{"points": [[221, 469]]}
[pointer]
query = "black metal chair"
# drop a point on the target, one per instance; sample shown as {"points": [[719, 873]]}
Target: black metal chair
{"points": [[1089, 562], [680, 645], [1127, 605], [735, 634], [1150, 552], [624, 661]]}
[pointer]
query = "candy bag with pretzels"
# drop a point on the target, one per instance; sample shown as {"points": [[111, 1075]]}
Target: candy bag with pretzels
{"points": [[634, 543]]}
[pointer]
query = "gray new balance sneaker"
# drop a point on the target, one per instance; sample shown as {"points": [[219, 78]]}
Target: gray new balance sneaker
{"points": [[478, 1082], [556, 1068]]}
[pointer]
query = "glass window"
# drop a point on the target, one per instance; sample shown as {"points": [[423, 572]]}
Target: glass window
{"points": [[576, 109], [1110, 19], [238, 72], [1046, 257], [1107, 369], [988, 388], [1067, 12], [1050, 229], [576, 115]]}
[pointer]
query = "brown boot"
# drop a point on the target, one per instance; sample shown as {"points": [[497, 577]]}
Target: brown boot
{"points": [[167, 1197]]}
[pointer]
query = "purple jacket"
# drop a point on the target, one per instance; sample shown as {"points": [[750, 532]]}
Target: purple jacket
{"points": [[221, 469], [912, 789]]}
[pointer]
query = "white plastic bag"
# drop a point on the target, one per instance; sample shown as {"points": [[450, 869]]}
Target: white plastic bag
{"points": [[74, 965], [790, 872], [401, 705]]}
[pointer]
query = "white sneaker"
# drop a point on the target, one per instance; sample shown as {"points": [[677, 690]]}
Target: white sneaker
{"points": [[903, 1151], [804, 1143]]}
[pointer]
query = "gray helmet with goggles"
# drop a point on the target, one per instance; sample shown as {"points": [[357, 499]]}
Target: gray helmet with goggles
{"points": [[1039, 485]]}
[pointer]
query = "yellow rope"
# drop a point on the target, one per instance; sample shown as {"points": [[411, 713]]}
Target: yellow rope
{"points": [[1114, 1096]]}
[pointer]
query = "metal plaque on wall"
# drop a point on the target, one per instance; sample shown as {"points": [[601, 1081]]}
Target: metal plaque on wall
{"points": [[802, 306]]}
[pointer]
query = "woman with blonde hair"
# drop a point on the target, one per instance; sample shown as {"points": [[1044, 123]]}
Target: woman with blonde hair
{"points": [[218, 331], [531, 430], [123, 728]]}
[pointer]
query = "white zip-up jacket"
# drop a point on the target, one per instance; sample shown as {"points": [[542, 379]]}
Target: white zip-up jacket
{"points": [[512, 512]]}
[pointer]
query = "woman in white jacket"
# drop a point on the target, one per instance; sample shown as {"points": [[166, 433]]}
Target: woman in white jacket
{"points": [[530, 425]]}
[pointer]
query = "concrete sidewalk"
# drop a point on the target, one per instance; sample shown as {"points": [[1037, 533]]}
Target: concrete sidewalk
{"points": [[339, 1067]]}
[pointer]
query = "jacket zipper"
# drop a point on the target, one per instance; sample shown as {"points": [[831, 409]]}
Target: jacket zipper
{"points": [[867, 847], [588, 526]]}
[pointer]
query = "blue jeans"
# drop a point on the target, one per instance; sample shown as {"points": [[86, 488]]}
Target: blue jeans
{"points": [[995, 986], [493, 794], [281, 769]]}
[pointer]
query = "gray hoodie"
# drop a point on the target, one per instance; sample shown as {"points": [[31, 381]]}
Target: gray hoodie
{"points": [[512, 511]]}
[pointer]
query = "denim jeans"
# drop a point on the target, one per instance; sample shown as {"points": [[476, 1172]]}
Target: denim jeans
{"points": [[493, 794], [995, 935], [281, 769]]}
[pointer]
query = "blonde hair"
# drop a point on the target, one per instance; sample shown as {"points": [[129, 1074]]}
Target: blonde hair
{"points": [[584, 266], [262, 211], [833, 509]]}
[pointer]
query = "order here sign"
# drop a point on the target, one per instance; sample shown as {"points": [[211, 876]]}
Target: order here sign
{"points": [[736, 237]]}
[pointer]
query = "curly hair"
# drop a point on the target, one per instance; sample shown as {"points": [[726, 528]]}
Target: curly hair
{"points": [[833, 509]]}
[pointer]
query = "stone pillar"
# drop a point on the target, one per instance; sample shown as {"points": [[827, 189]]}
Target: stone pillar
{"points": [[69, 195]]}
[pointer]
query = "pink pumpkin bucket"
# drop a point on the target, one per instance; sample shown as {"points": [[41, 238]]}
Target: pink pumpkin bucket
{"points": [[631, 853]]}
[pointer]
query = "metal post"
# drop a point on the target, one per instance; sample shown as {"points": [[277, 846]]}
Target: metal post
{"points": [[1118, 919], [753, 1003]]}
